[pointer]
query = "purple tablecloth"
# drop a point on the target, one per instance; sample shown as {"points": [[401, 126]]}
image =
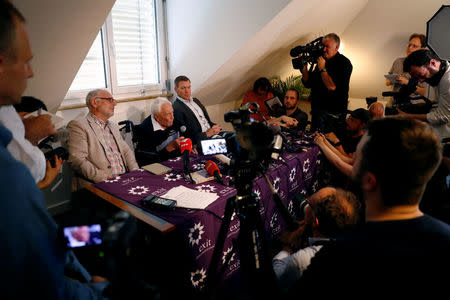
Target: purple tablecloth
{"points": [[297, 175]]}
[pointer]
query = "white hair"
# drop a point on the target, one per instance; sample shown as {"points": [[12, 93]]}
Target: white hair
{"points": [[155, 107]]}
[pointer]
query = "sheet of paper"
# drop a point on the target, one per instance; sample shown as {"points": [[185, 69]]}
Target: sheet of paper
{"points": [[57, 121], [189, 198]]}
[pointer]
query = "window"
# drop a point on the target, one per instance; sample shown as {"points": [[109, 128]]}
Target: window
{"points": [[125, 58]]}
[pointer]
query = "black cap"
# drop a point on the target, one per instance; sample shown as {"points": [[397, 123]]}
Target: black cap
{"points": [[360, 114]]}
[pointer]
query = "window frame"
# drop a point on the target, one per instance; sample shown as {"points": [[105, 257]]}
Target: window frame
{"points": [[78, 97]]}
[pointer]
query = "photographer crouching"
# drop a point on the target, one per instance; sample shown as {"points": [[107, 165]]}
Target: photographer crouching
{"points": [[329, 78]]}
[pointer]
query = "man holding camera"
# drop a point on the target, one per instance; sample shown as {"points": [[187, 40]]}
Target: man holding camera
{"points": [[427, 67], [329, 83]]}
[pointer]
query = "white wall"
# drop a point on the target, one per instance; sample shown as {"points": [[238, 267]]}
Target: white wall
{"points": [[61, 33], [204, 34]]}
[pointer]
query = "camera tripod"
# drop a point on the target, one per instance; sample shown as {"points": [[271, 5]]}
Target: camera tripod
{"points": [[256, 264]]}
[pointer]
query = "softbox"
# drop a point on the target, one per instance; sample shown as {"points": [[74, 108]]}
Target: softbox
{"points": [[437, 32]]}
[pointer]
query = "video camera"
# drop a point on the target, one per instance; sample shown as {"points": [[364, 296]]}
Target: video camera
{"points": [[310, 53], [407, 103], [256, 143]]}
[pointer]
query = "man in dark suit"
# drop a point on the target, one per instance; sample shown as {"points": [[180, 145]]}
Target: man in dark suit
{"points": [[191, 113], [157, 134]]}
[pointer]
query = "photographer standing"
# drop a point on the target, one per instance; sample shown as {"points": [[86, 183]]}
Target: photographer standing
{"points": [[329, 83]]}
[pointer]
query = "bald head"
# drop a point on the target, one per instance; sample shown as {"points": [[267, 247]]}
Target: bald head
{"points": [[376, 110]]}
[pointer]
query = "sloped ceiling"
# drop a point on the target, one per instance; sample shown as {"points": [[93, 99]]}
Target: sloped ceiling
{"points": [[61, 33], [267, 52]]}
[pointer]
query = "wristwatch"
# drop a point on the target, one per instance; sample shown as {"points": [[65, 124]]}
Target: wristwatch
{"points": [[323, 70]]}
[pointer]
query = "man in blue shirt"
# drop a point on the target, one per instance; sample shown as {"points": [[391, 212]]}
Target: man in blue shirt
{"points": [[32, 254]]}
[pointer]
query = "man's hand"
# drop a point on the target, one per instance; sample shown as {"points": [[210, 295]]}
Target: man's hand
{"points": [[175, 144], [304, 69], [332, 137], [402, 80], [319, 139], [321, 63], [37, 128], [288, 121], [50, 172], [215, 129], [292, 240]]}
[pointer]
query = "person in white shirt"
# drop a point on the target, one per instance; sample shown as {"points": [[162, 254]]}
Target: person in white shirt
{"points": [[191, 113]]}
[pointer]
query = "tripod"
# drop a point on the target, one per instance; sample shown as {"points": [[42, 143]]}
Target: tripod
{"points": [[257, 272]]}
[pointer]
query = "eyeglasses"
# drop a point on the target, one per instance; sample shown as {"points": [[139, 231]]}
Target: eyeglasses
{"points": [[109, 99]]}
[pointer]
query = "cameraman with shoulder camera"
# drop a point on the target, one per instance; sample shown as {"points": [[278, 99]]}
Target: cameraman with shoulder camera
{"points": [[329, 83]]}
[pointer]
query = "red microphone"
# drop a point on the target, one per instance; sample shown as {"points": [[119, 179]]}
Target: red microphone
{"points": [[186, 147], [213, 170]]}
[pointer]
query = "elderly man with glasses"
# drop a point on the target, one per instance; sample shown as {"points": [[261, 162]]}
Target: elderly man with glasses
{"points": [[97, 151]]}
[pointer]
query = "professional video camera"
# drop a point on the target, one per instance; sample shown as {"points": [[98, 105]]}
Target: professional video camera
{"points": [[310, 53], [53, 144], [407, 103]]}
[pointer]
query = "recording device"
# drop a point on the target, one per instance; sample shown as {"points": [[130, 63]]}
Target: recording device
{"points": [[52, 145], [310, 53], [405, 102], [213, 146], [159, 203], [182, 130], [83, 235], [213, 170]]}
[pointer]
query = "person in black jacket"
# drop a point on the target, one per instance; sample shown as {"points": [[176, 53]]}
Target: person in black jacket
{"points": [[157, 133], [191, 113], [329, 82]]}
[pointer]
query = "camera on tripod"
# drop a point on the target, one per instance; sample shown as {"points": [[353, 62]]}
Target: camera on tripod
{"points": [[310, 53], [255, 140]]}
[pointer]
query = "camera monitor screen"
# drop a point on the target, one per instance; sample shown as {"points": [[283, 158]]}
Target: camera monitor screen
{"points": [[214, 146], [85, 235]]}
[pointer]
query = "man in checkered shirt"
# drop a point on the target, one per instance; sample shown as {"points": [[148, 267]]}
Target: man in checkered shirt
{"points": [[97, 151]]}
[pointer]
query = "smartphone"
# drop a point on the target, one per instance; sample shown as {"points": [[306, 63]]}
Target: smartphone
{"points": [[157, 202], [83, 235], [213, 146]]}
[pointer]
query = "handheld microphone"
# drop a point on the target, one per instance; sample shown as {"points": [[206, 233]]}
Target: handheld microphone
{"points": [[182, 130], [186, 148], [213, 170]]}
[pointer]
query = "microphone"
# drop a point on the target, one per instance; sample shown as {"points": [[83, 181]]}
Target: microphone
{"points": [[213, 170], [182, 130], [186, 148], [278, 140]]}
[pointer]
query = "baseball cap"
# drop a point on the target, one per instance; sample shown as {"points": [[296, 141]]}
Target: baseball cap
{"points": [[360, 114]]}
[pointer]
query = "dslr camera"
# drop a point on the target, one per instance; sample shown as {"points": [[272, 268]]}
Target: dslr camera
{"points": [[310, 53]]}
